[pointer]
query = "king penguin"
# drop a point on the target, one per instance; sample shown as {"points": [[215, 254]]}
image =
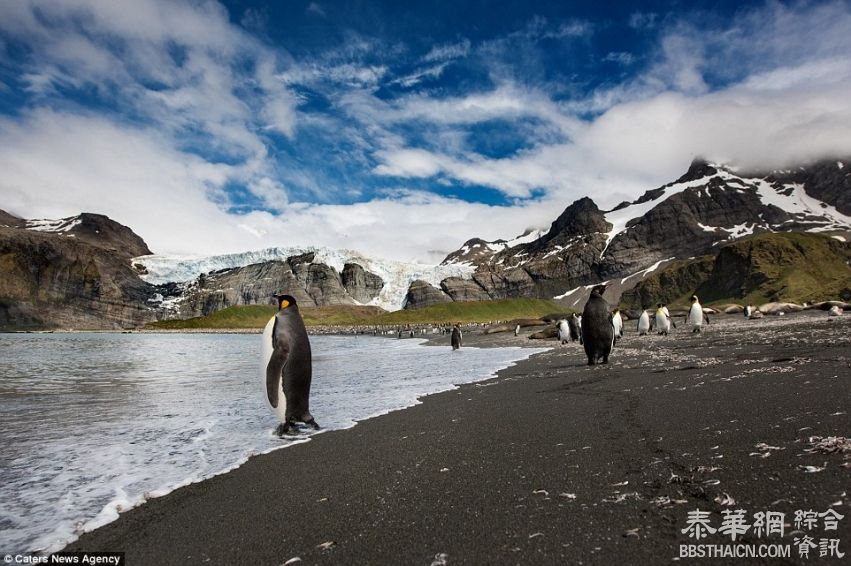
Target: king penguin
{"points": [[563, 332], [456, 337], [617, 323], [696, 316], [644, 323], [287, 366], [573, 324], [598, 334], [663, 320]]}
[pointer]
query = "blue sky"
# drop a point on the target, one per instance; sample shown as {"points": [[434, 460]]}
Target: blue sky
{"points": [[399, 129]]}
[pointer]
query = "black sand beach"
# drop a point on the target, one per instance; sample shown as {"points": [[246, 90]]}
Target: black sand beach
{"points": [[551, 462]]}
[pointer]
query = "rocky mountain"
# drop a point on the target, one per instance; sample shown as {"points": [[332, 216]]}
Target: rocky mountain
{"points": [[708, 206], [70, 273], [312, 284]]}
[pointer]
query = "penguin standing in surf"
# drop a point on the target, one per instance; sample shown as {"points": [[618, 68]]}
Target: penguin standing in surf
{"points": [[456, 337], [644, 323], [287, 366], [696, 317], [598, 334]]}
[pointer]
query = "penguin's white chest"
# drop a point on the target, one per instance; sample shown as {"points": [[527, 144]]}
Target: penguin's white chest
{"points": [[662, 322], [695, 315], [266, 350]]}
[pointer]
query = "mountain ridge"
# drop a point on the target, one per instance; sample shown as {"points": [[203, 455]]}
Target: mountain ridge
{"points": [[100, 272]]}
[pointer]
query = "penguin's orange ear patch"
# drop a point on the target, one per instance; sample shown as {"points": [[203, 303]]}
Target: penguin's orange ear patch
{"points": [[285, 303]]}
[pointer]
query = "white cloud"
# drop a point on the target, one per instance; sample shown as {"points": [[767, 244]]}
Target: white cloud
{"points": [[788, 102], [785, 73], [58, 165], [448, 51], [182, 65], [620, 57]]}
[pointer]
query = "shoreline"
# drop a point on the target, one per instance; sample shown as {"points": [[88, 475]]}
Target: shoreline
{"points": [[468, 471], [106, 508]]}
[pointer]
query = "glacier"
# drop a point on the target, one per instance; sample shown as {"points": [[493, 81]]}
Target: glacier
{"points": [[397, 275]]}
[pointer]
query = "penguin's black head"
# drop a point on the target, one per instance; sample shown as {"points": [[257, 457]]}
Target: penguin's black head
{"points": [[285, 301], [598, 289], [694, 298], [658, 305]]}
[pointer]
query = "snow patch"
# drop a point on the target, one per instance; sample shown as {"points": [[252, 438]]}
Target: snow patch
{"points": [[61, 225], [648, 271], [797, 201], [585, 287], [740, 230]]}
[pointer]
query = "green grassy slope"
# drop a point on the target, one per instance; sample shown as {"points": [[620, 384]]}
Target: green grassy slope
{"points": [[256, 316], [474, 311], [788, 267]]}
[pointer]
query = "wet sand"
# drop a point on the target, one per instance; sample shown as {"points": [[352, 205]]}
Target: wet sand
{"points": [[551, 462]]}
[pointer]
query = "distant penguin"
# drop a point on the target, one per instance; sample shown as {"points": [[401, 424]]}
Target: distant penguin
{"points": [[598, 334], [574, 328], [287, 366], [668, 314], [617, 323], [696, 317], [579, 326], [835, 310], [517, 330], [748, 311], [456, 337], [563, 331], [644, 323], [663, 320]]}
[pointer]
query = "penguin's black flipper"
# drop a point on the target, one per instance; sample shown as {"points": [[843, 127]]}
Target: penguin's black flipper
{"points": [[274, 371]]}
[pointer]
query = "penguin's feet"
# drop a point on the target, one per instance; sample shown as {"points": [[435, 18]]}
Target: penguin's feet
{"points": [[283, 429], [311, 422]]}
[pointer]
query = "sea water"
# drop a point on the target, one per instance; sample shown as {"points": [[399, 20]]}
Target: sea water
{"points": [[92, 424]]}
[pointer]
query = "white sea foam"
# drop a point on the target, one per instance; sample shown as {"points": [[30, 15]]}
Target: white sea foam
{"points": [[95, 424]]}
